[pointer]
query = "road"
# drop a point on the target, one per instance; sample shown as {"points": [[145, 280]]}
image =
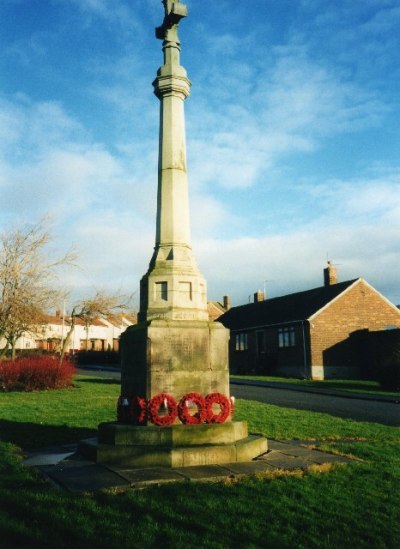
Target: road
{"points": [[357, 409]]}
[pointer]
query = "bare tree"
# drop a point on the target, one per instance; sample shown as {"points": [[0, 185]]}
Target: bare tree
{"points": [[101, 305], [27, 281]]}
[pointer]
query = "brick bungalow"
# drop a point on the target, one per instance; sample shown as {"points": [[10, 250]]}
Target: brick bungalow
{"points": [[319, 333]]}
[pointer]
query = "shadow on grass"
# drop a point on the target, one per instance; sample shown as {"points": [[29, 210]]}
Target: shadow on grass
{"points": [[31, 436], [100, 381]]}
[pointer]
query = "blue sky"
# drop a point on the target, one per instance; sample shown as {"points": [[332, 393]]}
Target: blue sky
{"points": [[292, 136]]}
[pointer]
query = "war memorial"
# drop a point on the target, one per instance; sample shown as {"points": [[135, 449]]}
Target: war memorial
{"points": [[175, 409]]}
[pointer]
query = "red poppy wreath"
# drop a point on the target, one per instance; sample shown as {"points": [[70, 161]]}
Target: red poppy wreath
{"points": [[154, 405]]}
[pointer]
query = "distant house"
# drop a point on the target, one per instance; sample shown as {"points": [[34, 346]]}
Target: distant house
{"points": [[317, 334], [101, 335]]}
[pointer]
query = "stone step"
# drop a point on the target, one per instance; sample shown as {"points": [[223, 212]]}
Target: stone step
{"points": [[245, 449], [119, 434]]}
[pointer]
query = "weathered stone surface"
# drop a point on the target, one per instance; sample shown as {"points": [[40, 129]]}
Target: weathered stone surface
{"points": [[175, 357], [250, 447], [120, 434], [173, 456]]}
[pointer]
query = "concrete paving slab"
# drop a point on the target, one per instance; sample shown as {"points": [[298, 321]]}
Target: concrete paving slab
{"points": [[203, 472], [286, 446], [296, 451], [46, 459], [89, 478], [323, 457], [148, 476], [77, 474], [283, 461], [248, 468]]}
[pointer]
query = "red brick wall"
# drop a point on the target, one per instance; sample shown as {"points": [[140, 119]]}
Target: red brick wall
{"points": [[360, 307], [273, 359]]}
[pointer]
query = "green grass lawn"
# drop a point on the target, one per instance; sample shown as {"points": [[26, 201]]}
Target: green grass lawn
{"points": [[355, 386], [356, 505]]}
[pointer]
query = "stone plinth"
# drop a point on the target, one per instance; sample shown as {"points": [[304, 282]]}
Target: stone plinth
{"points": [[174, 357], [174, 446]]}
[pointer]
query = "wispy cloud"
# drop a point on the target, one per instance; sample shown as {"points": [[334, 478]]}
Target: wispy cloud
{"points": [[294, 105]]}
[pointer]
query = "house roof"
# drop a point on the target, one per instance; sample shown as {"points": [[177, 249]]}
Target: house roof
{"points": [[49, 319], [215, 309], [284, 309]]}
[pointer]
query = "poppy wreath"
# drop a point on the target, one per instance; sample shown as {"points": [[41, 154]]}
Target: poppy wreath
{"points": [[225, 407], [138, 410], [153, 409], [123, 409], [183, 409]]}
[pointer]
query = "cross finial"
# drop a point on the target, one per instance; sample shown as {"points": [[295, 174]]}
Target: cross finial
{"points": [[174, 12]]}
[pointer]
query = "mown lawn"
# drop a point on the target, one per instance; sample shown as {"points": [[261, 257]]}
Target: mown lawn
{"points": [[346, 506]]}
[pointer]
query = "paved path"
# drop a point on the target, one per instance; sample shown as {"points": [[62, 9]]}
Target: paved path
{"points": [[64, 468]]}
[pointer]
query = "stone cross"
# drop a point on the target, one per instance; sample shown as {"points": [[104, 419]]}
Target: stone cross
{"points": [[174, 12]]}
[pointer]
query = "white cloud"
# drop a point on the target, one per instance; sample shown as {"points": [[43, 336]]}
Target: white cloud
{"points": [[113, 10], [359, 200], [259, 107], [355, 223], [293, 262]]}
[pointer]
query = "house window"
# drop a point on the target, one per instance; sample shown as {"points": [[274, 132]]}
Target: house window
{"points": [[286, 337], [161, 291], [241, 342], [260, 342]]}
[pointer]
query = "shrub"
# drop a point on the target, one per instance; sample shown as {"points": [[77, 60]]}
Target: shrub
{"points": [[389, 375], [35, 373], [97, 357]]}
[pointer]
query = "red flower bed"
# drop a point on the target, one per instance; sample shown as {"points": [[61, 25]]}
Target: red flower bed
{"points": [[35, 373]]}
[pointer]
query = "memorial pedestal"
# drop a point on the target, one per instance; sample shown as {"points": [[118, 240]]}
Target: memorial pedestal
{"points": [[173, 446], [174, 357]]}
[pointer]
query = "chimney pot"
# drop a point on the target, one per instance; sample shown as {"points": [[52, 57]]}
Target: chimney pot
{"points": [[258, 296], [227, 302], [330, 275]]}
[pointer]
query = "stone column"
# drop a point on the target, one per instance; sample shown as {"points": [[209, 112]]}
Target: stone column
{"points": [[173, 287], [174, 348]]}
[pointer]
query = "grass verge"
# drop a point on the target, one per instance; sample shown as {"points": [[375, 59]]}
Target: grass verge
{"points": [[356, 505], [353, 386]]}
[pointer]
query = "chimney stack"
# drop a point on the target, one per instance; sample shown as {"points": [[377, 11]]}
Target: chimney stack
{"points": [[330, 275], [258, 296], [227, 302]]}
